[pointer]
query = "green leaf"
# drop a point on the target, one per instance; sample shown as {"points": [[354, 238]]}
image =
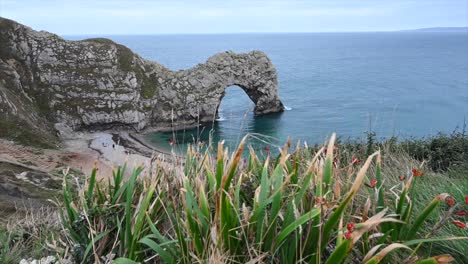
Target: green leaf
{"points": [[91, 185], [422, 217], [294, 225], [165, 256], [430, 240], [340, 253], [96, 239], [124, 261]]}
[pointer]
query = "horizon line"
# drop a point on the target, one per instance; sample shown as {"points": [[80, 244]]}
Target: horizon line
{"points": [[413, 30]]}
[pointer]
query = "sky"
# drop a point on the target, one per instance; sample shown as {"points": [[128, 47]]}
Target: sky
{"points": [[232, 16]]}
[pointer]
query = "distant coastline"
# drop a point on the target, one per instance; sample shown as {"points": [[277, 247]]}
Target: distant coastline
{"points": [[438, 29]]}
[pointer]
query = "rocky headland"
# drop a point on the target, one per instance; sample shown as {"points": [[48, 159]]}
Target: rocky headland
{"points": [[49, 84]]}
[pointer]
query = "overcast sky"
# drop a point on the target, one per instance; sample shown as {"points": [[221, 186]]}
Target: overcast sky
{"points": [[232, 16]]}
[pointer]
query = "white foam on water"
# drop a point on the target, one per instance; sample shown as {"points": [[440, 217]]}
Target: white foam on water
{"points": [[221, 117], [287, 108]]}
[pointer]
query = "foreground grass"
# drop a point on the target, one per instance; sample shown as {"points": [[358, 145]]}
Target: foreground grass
{"points": [[316, 205], [29, 235]]}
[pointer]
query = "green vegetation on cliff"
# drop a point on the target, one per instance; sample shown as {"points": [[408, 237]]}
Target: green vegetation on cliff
{"points": [[24, 134], [328, 204]]}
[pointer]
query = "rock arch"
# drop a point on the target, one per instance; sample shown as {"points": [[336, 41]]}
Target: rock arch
{"points": [[253, 72], [98, 83]]}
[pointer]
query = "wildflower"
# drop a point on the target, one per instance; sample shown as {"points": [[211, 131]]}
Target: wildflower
{"points": [[355, 161], [171, 141], [450, 201], [460, 213], [347, 234], [350, 227], [459, 224], [201, 143], [402, 177], [267, 149], [466, 199], [372, 183], [417, 173], [320, 200]]}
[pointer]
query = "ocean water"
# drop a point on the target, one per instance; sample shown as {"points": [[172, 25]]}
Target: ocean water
{"points": [[405, 84]]}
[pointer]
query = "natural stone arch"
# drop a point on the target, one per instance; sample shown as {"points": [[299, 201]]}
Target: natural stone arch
{"points": [[96, 83], [253, 72]]}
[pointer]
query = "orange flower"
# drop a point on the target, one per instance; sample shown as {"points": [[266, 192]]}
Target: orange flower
{"points": [[402, 177], [459, 224], [460, 213], [450, 201], [372, 183], [417, 173]]}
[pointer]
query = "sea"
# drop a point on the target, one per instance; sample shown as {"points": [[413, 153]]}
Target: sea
{"points": [[402, 84]]}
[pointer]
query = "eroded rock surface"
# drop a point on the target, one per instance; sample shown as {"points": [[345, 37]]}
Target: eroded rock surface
{"points": [[96, 83]]}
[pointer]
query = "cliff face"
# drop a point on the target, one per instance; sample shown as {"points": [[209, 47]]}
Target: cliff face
{"points": [[95, 83]]}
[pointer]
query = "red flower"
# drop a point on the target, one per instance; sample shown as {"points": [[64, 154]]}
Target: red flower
{"points": [[320, 200], [402, 177], [355, 161], [417, 173], [459, 224], [372, 183], [267, 148], [460, 213], [466, 199], [450, 201], [350, 227], [171, 141], [347, 235]]}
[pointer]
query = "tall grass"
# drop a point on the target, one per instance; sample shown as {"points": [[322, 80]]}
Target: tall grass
{"points": [[302, 206]]}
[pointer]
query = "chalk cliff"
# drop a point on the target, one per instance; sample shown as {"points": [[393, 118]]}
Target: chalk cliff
{"points": [[46, 81]]}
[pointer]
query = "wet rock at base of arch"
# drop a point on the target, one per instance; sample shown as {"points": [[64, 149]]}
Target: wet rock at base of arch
{"points": [[97, 83]]}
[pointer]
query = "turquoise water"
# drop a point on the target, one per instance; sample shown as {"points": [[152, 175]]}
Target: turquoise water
{"points": [[402, 84]]}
